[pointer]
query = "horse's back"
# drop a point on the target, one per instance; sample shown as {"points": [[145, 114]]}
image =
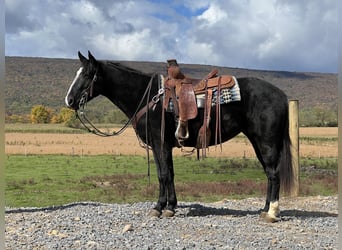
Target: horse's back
{"points": [[255, 89], [262, 112], [264, 107]]}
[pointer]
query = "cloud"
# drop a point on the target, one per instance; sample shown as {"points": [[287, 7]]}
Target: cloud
{"points": [[275, 35], [286, 35]]}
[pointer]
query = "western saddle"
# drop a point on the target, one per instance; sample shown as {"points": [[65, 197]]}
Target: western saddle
{"points": [[184, 91]]}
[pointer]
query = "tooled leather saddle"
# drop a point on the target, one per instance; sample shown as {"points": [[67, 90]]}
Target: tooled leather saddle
{"points": [[182, 91]]}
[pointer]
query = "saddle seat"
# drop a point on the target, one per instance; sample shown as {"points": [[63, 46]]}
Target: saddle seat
{"points": [[211, 81], [186, 90]]}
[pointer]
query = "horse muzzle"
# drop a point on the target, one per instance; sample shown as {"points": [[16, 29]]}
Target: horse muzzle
{"points": [[72, 102]]}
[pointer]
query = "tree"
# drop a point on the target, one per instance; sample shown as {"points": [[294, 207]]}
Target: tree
{"points": [[318, 116], [67, 116], [40, 114], [324, 116]]}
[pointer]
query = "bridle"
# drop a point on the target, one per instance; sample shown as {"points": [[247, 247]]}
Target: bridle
{"points": [[81, 114]]}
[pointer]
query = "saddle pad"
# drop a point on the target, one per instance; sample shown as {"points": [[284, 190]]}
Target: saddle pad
{"points": [[227, 95]]}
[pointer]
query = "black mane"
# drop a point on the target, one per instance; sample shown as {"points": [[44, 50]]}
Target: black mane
{"points": [[120, 66]]}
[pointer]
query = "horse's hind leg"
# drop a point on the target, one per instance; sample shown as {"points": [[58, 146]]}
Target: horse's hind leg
{"points": [[271, 209], [269, 155]]}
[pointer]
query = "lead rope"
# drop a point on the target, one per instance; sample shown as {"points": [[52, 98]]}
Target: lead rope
{"points": [[92, 129], [146, 132], [80, 114], [162, 128]]}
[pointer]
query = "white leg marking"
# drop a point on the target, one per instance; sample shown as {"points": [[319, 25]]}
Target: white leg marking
{"points": [[72, 85], [274, 210]]}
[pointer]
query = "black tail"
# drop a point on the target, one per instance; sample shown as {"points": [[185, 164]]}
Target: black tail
{"points": [[286, 167]]}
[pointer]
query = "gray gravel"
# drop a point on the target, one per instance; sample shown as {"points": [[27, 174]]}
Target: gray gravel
{"points": [[307, 223]]}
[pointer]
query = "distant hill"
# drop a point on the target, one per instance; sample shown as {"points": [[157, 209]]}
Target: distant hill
{"points": [[32, 81]]}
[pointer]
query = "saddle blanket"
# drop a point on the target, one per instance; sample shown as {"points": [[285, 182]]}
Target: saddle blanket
{"points": [[227, 95]]}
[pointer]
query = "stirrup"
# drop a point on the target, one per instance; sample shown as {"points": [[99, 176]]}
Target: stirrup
{"points": [[182, 131]]}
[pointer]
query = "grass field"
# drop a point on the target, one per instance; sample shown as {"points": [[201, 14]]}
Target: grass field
{"points": [[46, 166], [45, 180]]}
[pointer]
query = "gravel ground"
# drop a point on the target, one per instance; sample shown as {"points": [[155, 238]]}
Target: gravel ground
{"points": [[307, 223]]}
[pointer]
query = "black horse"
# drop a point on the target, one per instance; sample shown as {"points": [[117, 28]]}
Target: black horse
{"points": [[262, 115]]}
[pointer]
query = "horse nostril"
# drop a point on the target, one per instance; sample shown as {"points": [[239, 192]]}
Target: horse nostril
{"points": [[70, 101]]}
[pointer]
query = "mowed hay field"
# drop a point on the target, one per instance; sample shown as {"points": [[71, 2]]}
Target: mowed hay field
{"points": [[314, 142]]}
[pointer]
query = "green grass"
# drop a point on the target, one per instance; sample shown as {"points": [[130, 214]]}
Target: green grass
{"points": [[52, 180], [45, 180], [318, 139]]}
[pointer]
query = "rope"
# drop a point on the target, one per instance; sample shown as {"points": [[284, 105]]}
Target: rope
{"points": [[80, 114]]}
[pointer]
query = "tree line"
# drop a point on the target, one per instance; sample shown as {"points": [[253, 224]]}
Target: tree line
{"points": [[42, 114], [318, 116]]}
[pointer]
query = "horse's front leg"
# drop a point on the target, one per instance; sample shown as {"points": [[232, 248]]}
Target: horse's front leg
{"points": [[167, 200]]}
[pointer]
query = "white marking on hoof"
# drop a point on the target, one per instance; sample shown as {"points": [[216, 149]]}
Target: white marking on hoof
{"points": [[267, 218], [168, 213], [272, 214], [274, 211], [154, 213]]}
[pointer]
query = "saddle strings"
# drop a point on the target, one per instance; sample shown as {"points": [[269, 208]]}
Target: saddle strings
{"points": [[218, 138], [146, 130]]}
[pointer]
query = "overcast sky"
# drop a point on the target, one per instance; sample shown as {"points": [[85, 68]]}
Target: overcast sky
{"points": [[290, 35]]}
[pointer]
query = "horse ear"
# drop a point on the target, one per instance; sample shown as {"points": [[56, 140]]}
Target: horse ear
{"points": [[82, 58], [92, 59]]}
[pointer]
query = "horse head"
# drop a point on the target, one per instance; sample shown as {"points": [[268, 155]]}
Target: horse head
{"points": [[85, 85]]}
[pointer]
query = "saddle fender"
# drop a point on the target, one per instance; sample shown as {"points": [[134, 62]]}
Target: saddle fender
{"points": [[187, 102]]}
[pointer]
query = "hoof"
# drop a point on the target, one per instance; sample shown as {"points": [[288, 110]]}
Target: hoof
{"points": [[267, 218], [168, 213], [154, 213]]}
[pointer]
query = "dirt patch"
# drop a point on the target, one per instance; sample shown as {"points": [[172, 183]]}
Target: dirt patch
{"points": [[128, 144]]}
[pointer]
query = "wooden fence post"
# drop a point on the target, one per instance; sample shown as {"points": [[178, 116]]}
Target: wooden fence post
{"points": [[294, 136]]}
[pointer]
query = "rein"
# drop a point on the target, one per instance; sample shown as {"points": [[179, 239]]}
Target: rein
{"points": [[80, 113]]}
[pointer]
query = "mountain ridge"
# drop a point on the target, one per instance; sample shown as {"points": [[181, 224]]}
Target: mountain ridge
{"points": [[37, 80]]}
